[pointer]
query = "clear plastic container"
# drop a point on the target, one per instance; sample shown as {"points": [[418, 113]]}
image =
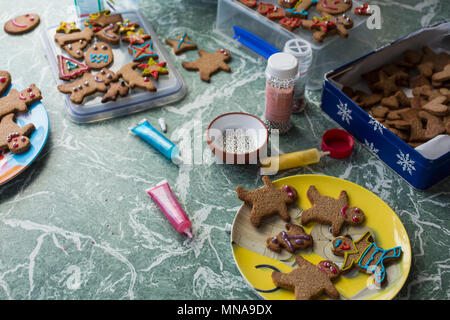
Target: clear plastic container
{"points": [[170, 88], [333, 52]]}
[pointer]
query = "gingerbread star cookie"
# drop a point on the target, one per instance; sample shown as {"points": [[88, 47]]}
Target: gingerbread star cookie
{"points": [[331, 211], [153, 68], [136, 37], [13, 137], [181, 43], [209, 63], [293, 239], [267, 201], [143, 51], [365, 255], [67, 27], [309, 281]]}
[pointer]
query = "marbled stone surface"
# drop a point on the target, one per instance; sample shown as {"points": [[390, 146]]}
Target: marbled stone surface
{"points": [[78, 224]]}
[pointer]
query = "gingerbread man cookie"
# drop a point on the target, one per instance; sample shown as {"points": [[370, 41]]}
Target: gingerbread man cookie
{"points": [[134, 78], [12, 137], [22, 24], [331, 211], [365, 255], [75, 42], [209, 63], [5, 81], [267, 201], [88, 85], [293, 239], [309, 281], [17, 101]]}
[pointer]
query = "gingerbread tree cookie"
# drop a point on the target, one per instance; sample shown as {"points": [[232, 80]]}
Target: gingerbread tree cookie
{"points": [[13, 137], [267, 201], [209, 63], [331, 211], [365, 255], [309, 281], [181, 43], [293, 239], [17, 101]]}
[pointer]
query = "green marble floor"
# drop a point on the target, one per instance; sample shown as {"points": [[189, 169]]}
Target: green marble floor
{"points": [[78, 224]]}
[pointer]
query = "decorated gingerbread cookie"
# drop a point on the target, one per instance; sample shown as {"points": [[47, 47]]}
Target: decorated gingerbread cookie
{"points": [[331, 211], [134, 79], [109, 34], [99, 56], [334, 6], [75, 42], [88, 85], [22, 24], [69, 68], [300, 9], [116, 89], [293, 239], [309, 281], [365, 255], [248, 3], [142, 52], [181, 43], [153, 68], [102, 19], [13, 137], [67, 27], [209, 63], [5, 81], [17, 101], [267, 201], [136, 37], [127, 25]]}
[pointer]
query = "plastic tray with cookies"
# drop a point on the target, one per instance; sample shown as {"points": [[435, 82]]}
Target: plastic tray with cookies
{"points": [[167, 88], [332, 52], [395, 101]]}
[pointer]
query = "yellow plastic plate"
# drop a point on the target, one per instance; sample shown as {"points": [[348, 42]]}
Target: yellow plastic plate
{"points": [[256, 263]]}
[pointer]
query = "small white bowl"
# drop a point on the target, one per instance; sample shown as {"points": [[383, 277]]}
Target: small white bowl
{"points": [[252, 125]]}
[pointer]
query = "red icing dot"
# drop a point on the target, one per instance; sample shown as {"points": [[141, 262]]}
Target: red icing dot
{"points": [[2, 79], [355, 219], [15, 145]]}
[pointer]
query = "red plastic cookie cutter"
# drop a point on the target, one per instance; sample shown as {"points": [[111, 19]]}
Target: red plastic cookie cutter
{"points": [[338, 142]]}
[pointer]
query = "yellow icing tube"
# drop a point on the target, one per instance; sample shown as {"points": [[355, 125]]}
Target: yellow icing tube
{"points": [[272, 165]]}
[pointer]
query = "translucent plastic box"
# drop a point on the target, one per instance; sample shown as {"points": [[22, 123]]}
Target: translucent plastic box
{"points": [[170, 88], [334, 51]]}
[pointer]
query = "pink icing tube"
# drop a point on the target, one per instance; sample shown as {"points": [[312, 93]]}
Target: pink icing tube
{"points": [[166, 201]]}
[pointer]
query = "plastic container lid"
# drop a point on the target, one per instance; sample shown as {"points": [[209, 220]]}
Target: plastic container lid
{"points": [[282, 65], [338, 142]]}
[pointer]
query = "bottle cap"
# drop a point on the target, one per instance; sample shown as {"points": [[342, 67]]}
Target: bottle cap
{"points": [[338, 142], [298, 48], [282, 65]]}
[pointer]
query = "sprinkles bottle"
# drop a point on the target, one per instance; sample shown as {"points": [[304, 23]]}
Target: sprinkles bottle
{"points": [[281, 75]]}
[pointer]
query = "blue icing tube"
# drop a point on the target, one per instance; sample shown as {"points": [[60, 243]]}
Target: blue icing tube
{"points": [[158, 141]]}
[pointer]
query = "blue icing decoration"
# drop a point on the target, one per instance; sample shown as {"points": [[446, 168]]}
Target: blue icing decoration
{"points": [[379, 269], [99, 57]]}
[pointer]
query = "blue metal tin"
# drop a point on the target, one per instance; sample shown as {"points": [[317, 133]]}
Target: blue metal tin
{"points": [[418, 171]]}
